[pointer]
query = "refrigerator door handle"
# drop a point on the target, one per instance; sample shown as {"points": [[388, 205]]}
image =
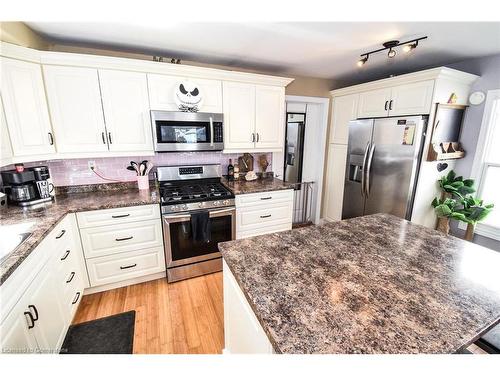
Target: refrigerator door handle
{"points": [[363, 172], [368, 170]]}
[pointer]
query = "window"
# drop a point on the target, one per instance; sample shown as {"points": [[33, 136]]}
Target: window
{"points": [[487, 165]]}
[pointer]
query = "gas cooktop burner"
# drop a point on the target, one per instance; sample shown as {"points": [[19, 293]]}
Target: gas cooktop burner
{"points": [[188, 192]]}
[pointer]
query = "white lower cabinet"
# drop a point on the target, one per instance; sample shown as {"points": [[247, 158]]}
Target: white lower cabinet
{"points": [[36, 317], [122, 245], [243, 333], [262, 213], [334, 183]]}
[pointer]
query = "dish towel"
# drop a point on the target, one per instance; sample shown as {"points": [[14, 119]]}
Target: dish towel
{"points": [[200, 226]]}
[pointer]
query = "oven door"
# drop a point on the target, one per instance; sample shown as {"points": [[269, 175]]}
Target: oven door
{"points": [[181, 249], [185, 131]]}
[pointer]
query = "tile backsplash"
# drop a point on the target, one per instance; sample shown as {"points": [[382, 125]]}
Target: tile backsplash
{"points": [[67, 172]]}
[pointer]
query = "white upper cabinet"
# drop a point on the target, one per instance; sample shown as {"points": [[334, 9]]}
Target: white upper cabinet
{"points": [[239, 115], [76, 109], [126, 110], [411, 99], [162, 91], [254, 116], [269, 117], [374, 103], [5, 146], [345, 109], [25, 108]]}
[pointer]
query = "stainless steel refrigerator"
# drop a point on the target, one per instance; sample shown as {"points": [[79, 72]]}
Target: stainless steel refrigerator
{"points": [[294, 147], [383, 160]]}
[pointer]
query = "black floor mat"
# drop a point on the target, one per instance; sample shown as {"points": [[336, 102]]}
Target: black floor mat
{"points": [[111, 335]]}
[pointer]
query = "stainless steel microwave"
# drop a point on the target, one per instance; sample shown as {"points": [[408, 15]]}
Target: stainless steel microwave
{"points": [[187, 131]]}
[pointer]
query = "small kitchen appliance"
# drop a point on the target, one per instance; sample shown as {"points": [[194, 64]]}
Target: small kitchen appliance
{"points": [[30, 187], [198, 212]]}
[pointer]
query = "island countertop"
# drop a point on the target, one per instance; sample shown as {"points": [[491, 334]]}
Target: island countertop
{"points": [[373, 284], [40, 219]]}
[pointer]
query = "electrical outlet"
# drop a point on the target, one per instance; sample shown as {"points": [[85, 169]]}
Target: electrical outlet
{"points": [[91, 164]]}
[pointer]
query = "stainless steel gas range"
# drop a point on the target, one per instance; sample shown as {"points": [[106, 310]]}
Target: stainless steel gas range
{"points": [[198, 212]]}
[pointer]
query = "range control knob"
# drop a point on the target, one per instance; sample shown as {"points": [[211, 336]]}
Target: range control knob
{"points": [[200, 204], [174, 208], [216, 203], [184, 206], [225, 202]]}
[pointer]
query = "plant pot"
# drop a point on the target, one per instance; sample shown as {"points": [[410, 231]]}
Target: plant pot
{"points": [[443, 225], [469, 232]]}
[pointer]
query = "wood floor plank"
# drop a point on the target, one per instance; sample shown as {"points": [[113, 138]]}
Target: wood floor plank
{"points": [[184, 317]]}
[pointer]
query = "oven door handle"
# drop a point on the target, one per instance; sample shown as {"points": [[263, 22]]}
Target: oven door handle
{"points": [[188, 216], [222, 211], [211, 132]]}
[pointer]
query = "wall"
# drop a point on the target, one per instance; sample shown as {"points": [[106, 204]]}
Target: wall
{"points": [[488, 68], [76, 172], [20, 34]]}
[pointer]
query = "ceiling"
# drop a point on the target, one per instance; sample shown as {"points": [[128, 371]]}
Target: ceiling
{"points": [[315, 49]]}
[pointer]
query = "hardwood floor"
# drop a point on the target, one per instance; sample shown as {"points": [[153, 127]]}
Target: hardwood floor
{"points": [[183, 317]]}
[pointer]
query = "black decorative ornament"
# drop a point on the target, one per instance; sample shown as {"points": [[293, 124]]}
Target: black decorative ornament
{"points": [[441, 166]]}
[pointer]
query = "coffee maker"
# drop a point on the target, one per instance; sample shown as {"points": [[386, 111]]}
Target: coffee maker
{"points": [[29, 187]]}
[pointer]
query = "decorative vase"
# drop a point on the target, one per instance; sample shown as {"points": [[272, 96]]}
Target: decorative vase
{"points": [[469, 232], [443, 225]]}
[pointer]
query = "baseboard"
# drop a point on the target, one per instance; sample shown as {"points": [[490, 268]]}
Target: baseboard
{"points": [[120, 284]]}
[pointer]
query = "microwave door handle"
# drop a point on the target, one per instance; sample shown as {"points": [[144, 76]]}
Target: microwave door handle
{"points": [[211, 132]]}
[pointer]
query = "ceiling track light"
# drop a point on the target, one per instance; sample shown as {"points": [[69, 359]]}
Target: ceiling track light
{"points": [[408, 46]]}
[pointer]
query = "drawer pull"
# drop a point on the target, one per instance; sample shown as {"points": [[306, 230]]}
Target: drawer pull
{"points": [[265, 216], [66, 254], [71, 276], [119, 216], [77, 297], [124, 238], [61, 234], [35, 310], [31, 321], [125, 267], [266, 198]]}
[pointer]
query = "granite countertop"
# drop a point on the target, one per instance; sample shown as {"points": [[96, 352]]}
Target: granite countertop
{"points": [[373, 284], [260, 185], [42, 218]]}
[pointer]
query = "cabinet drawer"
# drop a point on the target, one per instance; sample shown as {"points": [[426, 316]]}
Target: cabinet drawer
{"points": [[118, 215], [251, 221], [112, 239], [118, 267], [264, 199]]}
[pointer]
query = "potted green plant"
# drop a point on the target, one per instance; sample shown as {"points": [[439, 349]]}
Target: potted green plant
{"points": [[457, 203]]}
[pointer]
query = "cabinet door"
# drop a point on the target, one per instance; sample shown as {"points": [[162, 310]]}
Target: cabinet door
{"points": [[374, 103], [25, 108], [334, 183], [52, 323], [162, 93], [126, 110], [76, 109], [5, 146], [239, 115], [269, 117], [345, 109], [15, 336], [411, 99]]}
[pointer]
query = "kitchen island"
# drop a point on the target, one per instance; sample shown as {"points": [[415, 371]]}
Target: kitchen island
{"points": [[373, 284]]}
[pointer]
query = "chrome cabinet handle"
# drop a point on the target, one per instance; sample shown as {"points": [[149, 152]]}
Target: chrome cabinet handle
{"points": [[71, 276], [211, 131], [125, 267], [77, 297], [124, 238], [385, 106], [109, 138], [390, 105], [51, 139], [103, 138], [266, 198], [258, 137], [60, 234], [119, 216], [265, 216], [66, 254], [31, 322], [35, 310], [363, 171], [253, 137]]}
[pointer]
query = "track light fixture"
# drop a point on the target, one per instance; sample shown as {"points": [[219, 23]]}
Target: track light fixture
{"points": [[391, 45]]}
